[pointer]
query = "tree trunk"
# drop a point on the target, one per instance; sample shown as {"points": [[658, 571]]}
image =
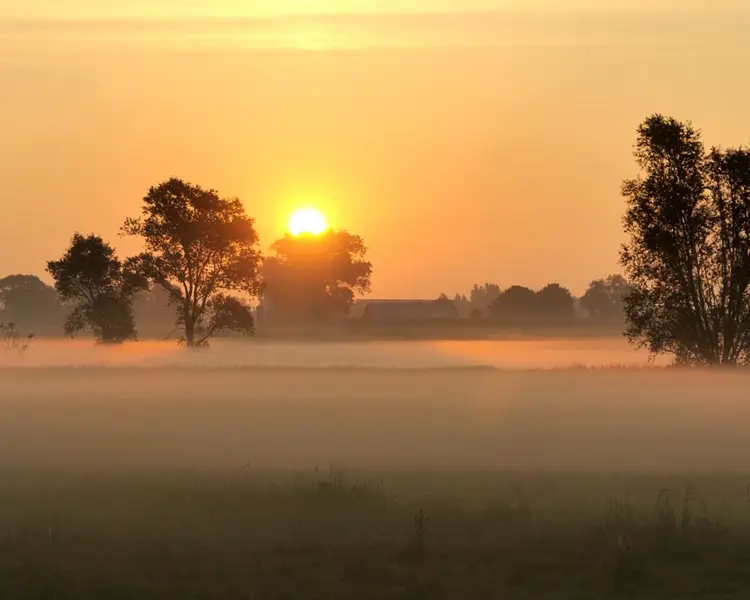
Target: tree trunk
{"points": [[189, 328]]}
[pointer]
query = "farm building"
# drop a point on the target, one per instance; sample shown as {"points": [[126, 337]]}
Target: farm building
{"points": [[388, 310]]}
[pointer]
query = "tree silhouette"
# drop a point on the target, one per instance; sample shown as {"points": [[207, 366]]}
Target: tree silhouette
{"points": [[315, 277], [90, 276], [688, 256], [605, 298], [29, 302], [483, 296], [555, 302], [462, 304], [516, 302], [199, 248]]}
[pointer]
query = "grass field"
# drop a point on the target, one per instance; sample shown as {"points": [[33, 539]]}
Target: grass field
{"points": [[261, 483], [372, 535]]}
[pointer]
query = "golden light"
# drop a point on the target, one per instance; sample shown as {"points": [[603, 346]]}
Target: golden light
{"points": [[307, 220]]}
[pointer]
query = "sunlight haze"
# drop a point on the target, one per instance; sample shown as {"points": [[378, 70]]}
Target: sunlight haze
{"points": [[464, 141], [307, 220], [374, 299]]}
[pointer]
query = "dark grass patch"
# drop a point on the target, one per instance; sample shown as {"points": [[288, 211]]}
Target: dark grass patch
{"points": [[66, 536]]}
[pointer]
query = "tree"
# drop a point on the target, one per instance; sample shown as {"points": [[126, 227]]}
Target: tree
{"points": [[199, 247], [605, 298], [555, 302], [516, 302], [463, 305], [29, 302], [483, 296], [92, 277], [315, 277], [688, 254]]}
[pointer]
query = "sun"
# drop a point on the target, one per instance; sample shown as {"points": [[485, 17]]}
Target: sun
{"points": [[307, 220]]}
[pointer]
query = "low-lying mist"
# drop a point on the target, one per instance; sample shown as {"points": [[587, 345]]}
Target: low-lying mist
{"points": [[511, 354], [180, 413]]}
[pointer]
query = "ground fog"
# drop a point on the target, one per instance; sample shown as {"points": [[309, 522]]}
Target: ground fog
{"points": [[372, 406]]}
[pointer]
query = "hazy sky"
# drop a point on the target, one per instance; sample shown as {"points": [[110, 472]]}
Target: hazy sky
{"points": [[182, 8], [465, 141]]}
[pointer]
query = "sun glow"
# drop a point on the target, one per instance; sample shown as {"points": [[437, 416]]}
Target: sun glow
{"points": [[307, 220]]}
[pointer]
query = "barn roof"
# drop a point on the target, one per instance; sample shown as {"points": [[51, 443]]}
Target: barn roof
{"points": [[409, 309]]}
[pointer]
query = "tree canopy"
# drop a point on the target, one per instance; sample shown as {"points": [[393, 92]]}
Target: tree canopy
{"points": [[688, 252], [515, 302], [90, 276], [605, 298], [29, 302], [552, 303], [315, 276], [556, 302], [200, 248], [483, 296]]}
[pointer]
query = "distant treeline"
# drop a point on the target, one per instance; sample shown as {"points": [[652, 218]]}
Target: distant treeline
{"points": [[201, 267], [35, 307], [602, 301]]}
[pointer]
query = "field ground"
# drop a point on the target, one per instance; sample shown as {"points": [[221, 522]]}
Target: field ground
{"points": [[532, 484], [261, 535]]}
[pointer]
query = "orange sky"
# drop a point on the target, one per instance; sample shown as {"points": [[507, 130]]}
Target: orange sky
{"points": [[464, 147]]}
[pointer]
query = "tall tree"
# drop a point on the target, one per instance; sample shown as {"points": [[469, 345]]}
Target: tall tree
{"points": [[316, 276], [688, 254], [30, 303], [200, 248], [90, 276]]}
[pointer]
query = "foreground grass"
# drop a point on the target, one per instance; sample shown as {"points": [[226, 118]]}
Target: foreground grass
{"points": [[333, 535]]}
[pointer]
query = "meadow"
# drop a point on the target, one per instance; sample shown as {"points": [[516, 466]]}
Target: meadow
{"points": [[459, 471]]}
